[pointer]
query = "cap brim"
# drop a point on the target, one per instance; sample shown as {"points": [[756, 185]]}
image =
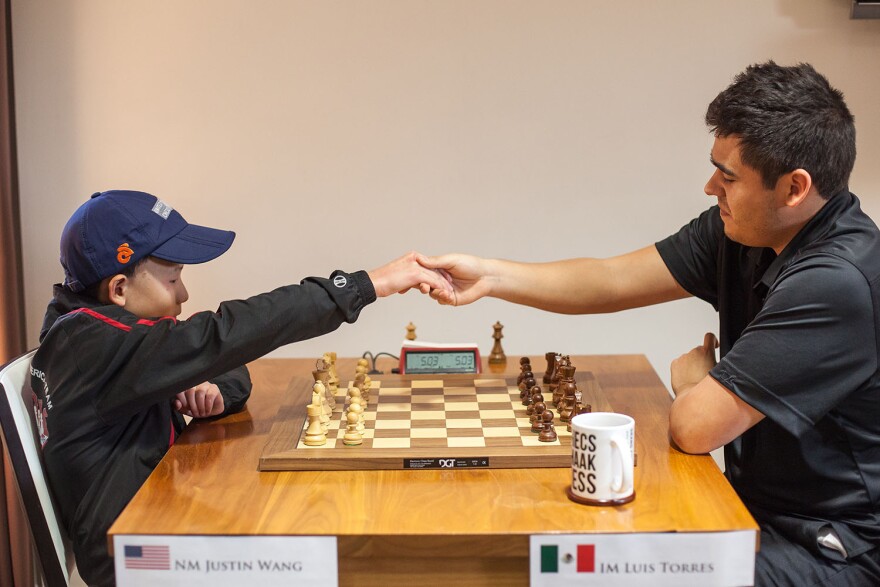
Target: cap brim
{"points": [[195, 244]]}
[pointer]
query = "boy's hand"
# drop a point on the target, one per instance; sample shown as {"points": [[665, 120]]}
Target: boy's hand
{"points": [[405, 273], [202, 401]]}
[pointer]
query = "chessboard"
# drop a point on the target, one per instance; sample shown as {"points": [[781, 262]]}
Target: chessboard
{"points": [[426, 421]]}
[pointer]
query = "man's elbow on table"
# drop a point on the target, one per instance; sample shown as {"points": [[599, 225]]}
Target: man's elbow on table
{"points": [[687, 437], [708, 416]]}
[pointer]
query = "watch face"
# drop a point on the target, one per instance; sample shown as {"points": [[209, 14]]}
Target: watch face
{"points": [[441, 361]]}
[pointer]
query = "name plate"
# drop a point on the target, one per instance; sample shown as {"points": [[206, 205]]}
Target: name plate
{"points": [[266, 561], [706, 559]]}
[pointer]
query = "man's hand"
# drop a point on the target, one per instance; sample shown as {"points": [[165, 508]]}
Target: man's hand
{"points": [[202, 401], [690, 368], [405, 273], [466, 274]]}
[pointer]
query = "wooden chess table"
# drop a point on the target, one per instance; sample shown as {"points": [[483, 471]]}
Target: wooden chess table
{"points": [[467, 526]]}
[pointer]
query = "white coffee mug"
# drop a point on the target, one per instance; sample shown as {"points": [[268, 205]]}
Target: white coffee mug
{"points": [[602, 450]]}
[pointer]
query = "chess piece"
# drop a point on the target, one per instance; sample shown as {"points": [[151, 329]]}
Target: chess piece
{"points": [[497, 356], [356, 406], [548, 434], [315, 435], [567, 388], [536, 397], [537, 418], [319, 390], [410, 331], [551, 366], [557, 374], [319, 399], [524, 386], [332, 376], [352, 437], [322, 373], [579, 408], [363, 383], [524, 366]]}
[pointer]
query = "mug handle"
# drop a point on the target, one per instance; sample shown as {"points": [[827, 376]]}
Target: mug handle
{"points": [[624, 480]]}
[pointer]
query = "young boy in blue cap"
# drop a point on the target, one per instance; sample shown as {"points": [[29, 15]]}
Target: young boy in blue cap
{"points": [[116, 368]]}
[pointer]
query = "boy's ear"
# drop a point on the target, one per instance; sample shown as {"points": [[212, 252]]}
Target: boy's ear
{"points": [[116, 289]]}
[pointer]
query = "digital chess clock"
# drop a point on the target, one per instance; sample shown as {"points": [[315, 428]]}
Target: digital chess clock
{"points": [[425, 358]]}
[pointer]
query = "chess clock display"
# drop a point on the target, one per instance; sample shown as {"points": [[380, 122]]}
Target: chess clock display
{"points": [[447, 358]]}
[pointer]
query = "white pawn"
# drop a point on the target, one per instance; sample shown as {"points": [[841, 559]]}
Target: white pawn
{"points": [[357, 407], [315, 435], [352, 437], [320, 390]]}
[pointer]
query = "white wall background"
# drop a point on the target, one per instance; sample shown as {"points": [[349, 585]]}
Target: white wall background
{"points": [[340, 134]]}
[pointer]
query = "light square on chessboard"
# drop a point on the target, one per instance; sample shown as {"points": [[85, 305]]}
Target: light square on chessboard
{"points": [[432, 415], [395, 407], [469, 423], [428, 433], [474, 442], [427, 383], [391, 443], [485, 398], [501, 432], [457, 399], [391, 425], [490, 383], [463, 414], [462, 406], [533, 441]]}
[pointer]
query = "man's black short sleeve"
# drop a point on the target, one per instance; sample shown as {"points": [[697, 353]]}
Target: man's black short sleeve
{"points": [[691, 255], [799, 343]]}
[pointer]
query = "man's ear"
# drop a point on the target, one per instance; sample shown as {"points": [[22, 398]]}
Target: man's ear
{"points": [[116, 289], [796, 186]]}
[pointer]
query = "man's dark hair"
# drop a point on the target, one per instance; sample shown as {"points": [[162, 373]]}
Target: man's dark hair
{"points": [[788, 118]]}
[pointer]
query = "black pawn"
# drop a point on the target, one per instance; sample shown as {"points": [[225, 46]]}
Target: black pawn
{"points": [[548, 434]]}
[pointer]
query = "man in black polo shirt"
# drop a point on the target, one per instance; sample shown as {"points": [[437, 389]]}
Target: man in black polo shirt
{"points": [[792, 265]]}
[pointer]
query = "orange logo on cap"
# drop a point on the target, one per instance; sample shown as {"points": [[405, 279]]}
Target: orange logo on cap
{"points": [[124, 253]]}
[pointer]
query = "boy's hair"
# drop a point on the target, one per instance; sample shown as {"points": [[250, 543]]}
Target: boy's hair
{"points": [[114, 230], [788, 118], [94, 290]]}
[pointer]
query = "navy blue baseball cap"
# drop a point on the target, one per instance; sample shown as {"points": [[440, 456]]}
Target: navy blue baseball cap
{"points": [[116, 229]]}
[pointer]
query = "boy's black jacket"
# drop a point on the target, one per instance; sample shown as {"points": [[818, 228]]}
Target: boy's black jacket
{"points": [[104, 381]]}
